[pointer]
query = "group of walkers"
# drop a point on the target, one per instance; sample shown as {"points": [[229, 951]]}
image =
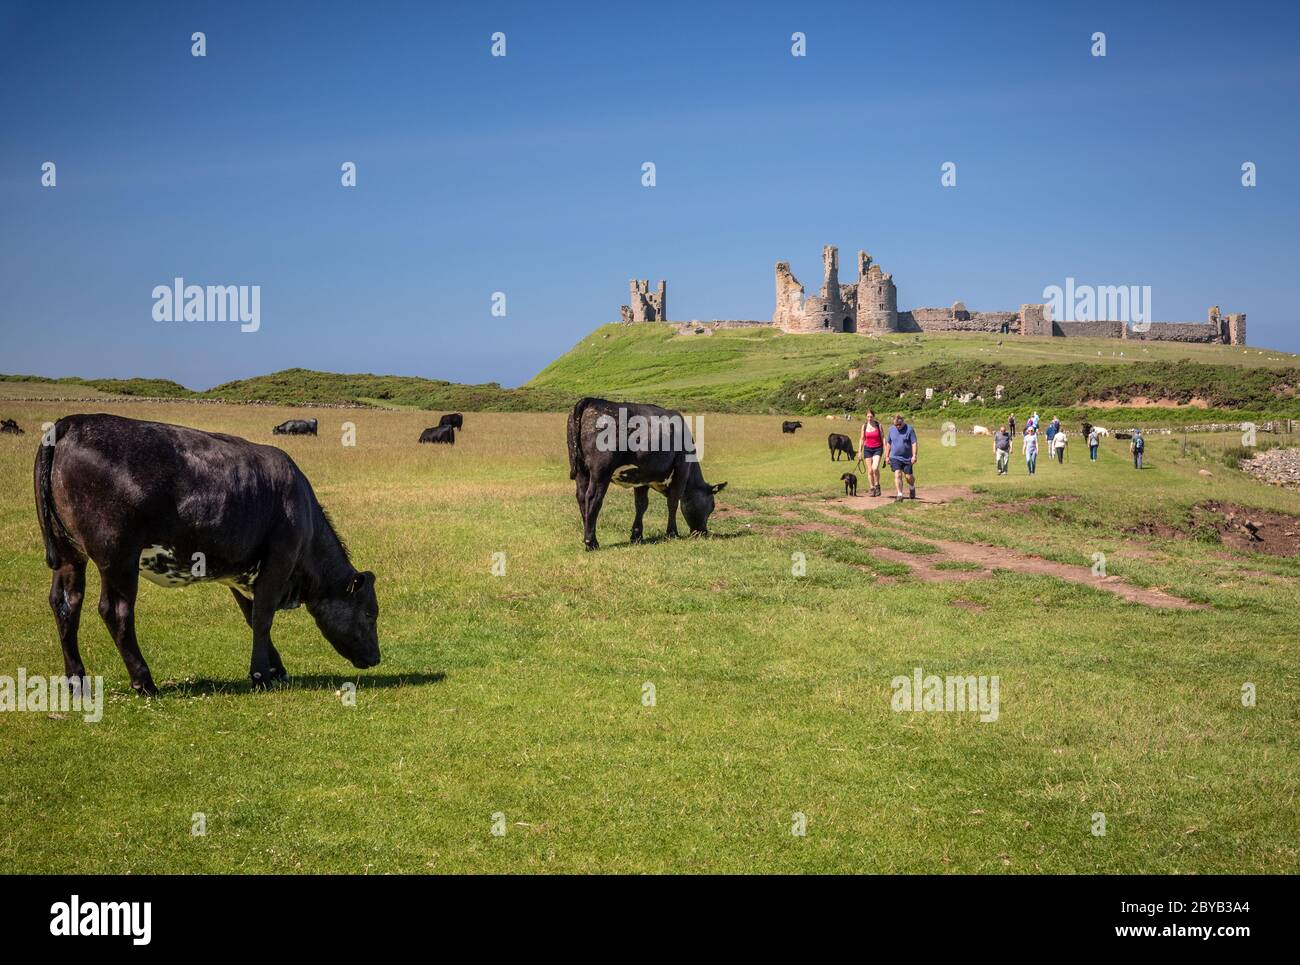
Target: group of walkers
{"points": [[1056, 440], [897, 446]]}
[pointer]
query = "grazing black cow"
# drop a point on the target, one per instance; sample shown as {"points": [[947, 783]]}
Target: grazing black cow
{"points": [[840, 443], [453, 419], [1086, 428], [439, 434], [181, 506], [296, 427], [11, 427], [850, 484], [656, 458], [791, 426]]}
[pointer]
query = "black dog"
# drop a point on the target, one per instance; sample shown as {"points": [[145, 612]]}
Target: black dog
{"points": [[850, 484]]}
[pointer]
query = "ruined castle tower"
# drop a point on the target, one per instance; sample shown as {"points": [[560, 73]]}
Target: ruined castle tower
{"points": [[877, 302], [830, 310], [646, 306]]}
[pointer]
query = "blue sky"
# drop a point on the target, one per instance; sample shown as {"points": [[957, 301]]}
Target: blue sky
{"points": [[522, 174]]}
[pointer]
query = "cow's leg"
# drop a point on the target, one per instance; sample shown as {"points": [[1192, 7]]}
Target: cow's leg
{"points": [[641, 498], [117, 608], [595, 498], [581, 481], [277, 664], [67, 589]]}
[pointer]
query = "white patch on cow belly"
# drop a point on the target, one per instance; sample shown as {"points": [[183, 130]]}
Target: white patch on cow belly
{"points": [[158, 565], [242, 584]]}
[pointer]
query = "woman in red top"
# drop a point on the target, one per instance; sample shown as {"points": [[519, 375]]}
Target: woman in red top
{"points": [[873, 444]]}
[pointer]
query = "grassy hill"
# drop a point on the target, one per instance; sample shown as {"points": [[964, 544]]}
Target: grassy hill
{"points": [[763, 370], [301, 387]]}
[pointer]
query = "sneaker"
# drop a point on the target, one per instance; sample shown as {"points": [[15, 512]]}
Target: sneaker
{"points": [[897, 496]]}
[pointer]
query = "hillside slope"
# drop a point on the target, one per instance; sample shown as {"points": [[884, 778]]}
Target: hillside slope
{"points": [[763, 370]]}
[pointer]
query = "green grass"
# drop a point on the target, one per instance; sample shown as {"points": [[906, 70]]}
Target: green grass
{"points": [[522, 694]]}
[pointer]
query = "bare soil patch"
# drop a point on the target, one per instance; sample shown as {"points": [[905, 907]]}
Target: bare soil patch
{"points": [[1252, 530], [986, 560]]}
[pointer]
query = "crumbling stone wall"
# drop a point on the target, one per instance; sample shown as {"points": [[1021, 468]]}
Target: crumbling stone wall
{"points": [[827, 311], [1089, 329], [646, 306], [1179, 332]]}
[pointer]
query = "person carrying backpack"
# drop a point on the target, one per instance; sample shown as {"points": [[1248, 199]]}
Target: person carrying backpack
{"points": [[1136, 445]]}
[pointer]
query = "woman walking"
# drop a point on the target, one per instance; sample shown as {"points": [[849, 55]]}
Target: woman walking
{"points": [[873, 444], [1093, 440], [1031, 449]]}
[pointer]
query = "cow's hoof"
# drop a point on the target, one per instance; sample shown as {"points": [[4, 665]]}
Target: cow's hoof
{"points": [[637, 539], [279, 674], [593, 545], [262, 680], [145, 686]]}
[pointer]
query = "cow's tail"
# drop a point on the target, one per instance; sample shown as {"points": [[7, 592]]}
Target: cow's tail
{"points": [[52, 528], [575, 430]]}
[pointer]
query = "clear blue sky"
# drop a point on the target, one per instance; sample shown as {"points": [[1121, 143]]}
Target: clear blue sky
{"points": [[522, 174]]}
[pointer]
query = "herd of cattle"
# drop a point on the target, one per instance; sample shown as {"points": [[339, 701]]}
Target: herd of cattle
{"points": [[444, 431], [178, 506]]}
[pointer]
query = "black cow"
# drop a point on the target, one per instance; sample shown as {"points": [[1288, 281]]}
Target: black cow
{"points": [[11, 427], [439, 434], [791, 426], [599, 453], [296, 427], [182, 506], [840, 443], [453, 419]]}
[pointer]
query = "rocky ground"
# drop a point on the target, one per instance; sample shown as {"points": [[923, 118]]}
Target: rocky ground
{"points": [[1277, 467]]}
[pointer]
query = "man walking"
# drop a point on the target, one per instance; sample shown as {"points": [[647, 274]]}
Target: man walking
{"points": [[1136, 445], [1002, 449], [1011, 424], [900, 453]]}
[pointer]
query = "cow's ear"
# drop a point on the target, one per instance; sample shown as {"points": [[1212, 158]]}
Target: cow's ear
{"points": [[718, 488]]}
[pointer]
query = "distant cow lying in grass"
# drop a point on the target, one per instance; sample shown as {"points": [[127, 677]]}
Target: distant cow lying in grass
{"points": [[11, 427], [979, 431], [181, 506], [453, 419], [640, 447], [790, 427], [439, 434], [295, 427], [839, 443]]}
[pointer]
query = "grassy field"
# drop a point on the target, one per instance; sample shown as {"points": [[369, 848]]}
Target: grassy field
{"points": [[522, 695]]}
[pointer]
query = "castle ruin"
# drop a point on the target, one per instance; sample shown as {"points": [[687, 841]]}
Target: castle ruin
{"points": [[869, 306], [646, 306]]}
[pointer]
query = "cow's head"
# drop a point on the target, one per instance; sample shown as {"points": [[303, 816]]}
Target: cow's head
{"points": [[348, 618], [697, 506]]}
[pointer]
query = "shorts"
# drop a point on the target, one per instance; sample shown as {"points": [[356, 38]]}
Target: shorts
{"points": [[872, 456], [901, 465]]}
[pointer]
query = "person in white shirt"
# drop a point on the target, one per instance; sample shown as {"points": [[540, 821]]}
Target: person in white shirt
{"points": [[1058, 443]]}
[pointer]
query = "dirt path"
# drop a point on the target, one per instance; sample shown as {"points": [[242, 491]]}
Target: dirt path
{"points": [[973, 560]]}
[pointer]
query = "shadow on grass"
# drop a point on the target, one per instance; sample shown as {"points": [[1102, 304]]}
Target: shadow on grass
{"points": [[202, 686], [662, 538]]}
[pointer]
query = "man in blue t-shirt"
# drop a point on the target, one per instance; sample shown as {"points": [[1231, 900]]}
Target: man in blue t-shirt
{"points": [[900, 452]]}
